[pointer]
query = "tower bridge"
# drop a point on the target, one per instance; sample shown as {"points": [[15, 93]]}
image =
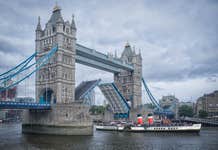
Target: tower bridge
{"points": [[55, 79]]}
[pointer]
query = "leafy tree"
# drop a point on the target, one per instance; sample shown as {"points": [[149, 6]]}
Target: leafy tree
{"points": [[186, 111], [96, 110], [203, 114]]}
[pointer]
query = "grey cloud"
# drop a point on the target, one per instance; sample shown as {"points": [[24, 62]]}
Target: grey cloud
{"points": [[178, 39], [7, 47]]}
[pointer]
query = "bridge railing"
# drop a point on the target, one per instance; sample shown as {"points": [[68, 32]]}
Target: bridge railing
{"points": [[23, 105]]}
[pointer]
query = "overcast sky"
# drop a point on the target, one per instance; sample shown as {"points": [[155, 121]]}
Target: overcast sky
{"points": [[178, 39]]}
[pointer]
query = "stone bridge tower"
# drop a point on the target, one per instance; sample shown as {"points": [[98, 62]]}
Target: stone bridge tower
{"points": [[129, 82], [55, 82]]}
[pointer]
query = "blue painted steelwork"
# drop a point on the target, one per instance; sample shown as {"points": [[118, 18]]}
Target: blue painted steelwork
{"points": [[87, 100], [38, 64], [21, 105], [121, 115], [9, 73], [23, 68], [99, 60], [151, 97], [117, 102], [124, 102], [159, 110]]}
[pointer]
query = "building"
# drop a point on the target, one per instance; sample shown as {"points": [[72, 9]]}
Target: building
{"points": [[171, 103], [55, 82], [129, 82], [208, 103], [9, 94], [6, 95]]}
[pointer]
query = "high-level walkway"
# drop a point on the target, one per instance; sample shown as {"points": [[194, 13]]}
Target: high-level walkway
{"points": [[99, 60]]}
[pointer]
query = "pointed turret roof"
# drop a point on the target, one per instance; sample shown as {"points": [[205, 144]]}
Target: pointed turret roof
{"points": [[39, 28], [73, 25], [56, 16], [127, 51]]}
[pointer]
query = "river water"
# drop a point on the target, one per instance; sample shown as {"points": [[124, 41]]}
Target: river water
{"points": [[12, 138]]}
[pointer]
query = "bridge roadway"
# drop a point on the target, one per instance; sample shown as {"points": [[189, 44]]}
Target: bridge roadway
{"points": [[22, 105], [93, 58]]}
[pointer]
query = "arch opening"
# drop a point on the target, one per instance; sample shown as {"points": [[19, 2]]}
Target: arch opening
{"points": [[47, 96]]}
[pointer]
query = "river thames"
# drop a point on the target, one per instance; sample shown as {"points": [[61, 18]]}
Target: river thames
{"points": [[12, 138]]}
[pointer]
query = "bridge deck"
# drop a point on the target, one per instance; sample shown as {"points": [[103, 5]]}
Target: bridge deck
{"points": [[84, 88], [116, 101], [21, 105]]}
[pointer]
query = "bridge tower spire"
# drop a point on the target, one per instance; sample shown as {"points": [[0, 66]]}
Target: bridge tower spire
{"points": [[73, 25], [39, 28]]}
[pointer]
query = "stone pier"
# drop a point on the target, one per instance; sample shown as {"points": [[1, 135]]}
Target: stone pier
{"points": [[62, 119]]}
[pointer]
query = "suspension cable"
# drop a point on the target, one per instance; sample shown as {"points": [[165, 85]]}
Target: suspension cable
{"points": [[41, 62]]}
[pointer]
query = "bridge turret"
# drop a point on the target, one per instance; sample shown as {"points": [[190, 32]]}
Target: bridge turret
{"points": [[55, 82], [127, 53], [129, 82], [57, 78]]}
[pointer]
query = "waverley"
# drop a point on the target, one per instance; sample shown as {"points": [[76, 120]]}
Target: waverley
{"points": [[182, 128], [165, 126], [144, 128]]}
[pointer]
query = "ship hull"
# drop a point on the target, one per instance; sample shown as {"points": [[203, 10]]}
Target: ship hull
{"points": [[109, 128], [193, 128]]}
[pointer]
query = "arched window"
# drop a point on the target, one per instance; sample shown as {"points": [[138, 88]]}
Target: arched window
{"points": [[54, 29]]}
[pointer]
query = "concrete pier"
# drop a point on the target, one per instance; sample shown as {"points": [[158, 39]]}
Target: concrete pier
{"points": [[62, 119]]}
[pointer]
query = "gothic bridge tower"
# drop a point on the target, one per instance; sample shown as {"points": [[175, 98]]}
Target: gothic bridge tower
{"points": [[55, 82], [129, 82]]}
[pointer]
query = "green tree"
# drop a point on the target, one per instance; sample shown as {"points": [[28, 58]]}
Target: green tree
{"points": [[96, 110], [186, 111], [203, 114]]}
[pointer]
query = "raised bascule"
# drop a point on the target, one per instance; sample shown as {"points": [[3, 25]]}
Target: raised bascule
{"points": [[58, 109]]}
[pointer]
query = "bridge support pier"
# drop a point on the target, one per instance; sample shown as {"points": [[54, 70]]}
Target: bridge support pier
{"points": [[62, 119]]}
